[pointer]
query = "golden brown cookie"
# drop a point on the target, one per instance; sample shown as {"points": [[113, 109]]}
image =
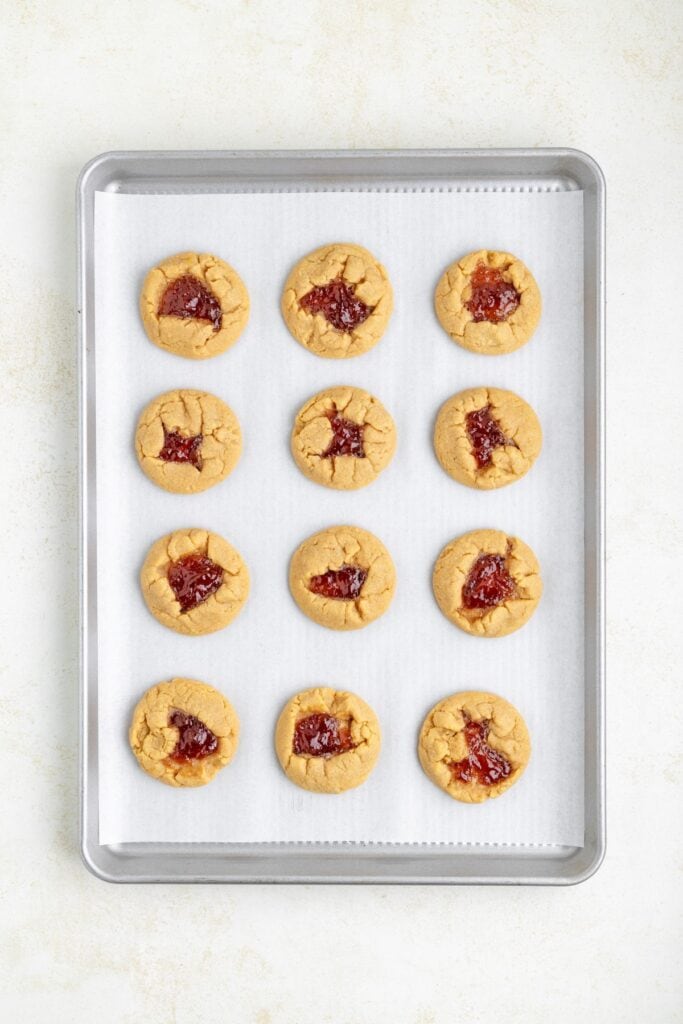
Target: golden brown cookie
{"points": [[343, 438], [337, 301], [194, 582], [474, 746], [487, 583], [327, 740], [187, 441], [488, 302], [183, 732], [487, 437], [194, 305], [342, 577]]}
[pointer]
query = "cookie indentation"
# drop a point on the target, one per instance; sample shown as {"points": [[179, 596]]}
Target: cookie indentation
{"points": [[195, 739], [321, 735], [187, 298], [493, 298], [488, 583], [338, 303], [347, 437], [193, 578], [182, 449], [344, 584], [485, 435], [483, 764]]}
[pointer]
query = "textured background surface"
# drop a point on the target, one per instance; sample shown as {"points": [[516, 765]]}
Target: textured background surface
{"points": [[81, 78]]}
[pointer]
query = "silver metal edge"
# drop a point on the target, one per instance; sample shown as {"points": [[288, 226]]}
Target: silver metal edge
{"points": [[84, 221], [597, 793], [82, 521], [593, 853]]}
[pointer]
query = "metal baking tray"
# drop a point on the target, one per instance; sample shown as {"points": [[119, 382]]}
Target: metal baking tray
{"points": [[226, 171]]}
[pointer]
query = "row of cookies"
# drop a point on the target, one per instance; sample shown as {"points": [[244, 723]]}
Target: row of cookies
{"points": [[336, 302], [485, 582], [473, 745], [187, 441]]}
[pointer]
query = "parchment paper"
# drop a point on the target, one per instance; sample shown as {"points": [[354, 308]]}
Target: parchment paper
{"points": [[406, 661]]}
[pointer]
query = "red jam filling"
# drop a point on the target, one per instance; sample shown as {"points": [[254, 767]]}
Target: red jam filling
{"points": [[182, 449], [483, 764], [187, 297], [321, 736], [343, 584], [195, 740], [484, 434], [347, 437], [493, 298], [193, 578], [488, 583], [337, 303]]}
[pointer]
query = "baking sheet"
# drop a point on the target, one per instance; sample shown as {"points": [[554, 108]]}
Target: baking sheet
{"points": [[411, 657]]}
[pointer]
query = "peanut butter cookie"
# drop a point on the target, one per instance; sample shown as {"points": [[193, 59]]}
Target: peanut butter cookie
{"points": [[474, 746], [487, 437], [194, 305], [327, 740], [487, 583], [342, 577], [488, 302], [187, 441], [337, 301], [343, 437], [194, 582], [183, 732]]}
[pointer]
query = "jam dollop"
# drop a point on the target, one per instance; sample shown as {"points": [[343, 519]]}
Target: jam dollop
{"points": [[488, 583], [483, 764], [187, 297], [182, 449], [484, 434], [195, 740], [321, 735], [493, 298], [347, 437], [344, 584], [337, 303], [193, 578]]}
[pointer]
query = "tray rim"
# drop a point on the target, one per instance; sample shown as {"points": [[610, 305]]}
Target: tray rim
{"points": [[385, 863]]}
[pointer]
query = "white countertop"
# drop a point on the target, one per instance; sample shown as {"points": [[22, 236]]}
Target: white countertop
{"points": [[81, 78]]}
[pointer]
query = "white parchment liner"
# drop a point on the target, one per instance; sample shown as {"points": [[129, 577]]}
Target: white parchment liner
{"points": [[406, 661]]}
